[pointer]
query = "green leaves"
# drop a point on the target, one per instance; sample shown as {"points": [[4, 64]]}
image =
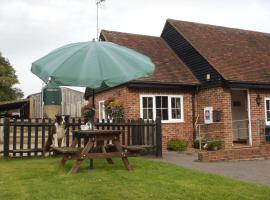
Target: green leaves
{"points": [[8, 79]]}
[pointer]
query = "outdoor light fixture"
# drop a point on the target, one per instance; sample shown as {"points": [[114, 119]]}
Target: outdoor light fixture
{"points": [[208, 77], [258, 100]]}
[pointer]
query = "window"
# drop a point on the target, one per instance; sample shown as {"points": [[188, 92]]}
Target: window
{"points": [[168, 107], [162, 109], [147, 106], [102, 114], [267, 111], [176, 107]]}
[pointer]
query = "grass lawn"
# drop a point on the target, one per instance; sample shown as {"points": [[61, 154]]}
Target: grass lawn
{"points": [[40, 179]]}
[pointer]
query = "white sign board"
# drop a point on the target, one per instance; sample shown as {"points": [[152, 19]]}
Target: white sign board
{"points": [[208, 115]]}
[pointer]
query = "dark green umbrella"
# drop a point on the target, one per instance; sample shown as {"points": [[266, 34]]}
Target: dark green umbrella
{"points": [[90, 64]]}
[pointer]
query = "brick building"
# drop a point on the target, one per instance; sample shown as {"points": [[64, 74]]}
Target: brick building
{"points": [[199, 68]]}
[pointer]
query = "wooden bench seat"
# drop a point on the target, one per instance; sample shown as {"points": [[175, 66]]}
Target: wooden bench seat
{"points": [[137, 148], [26, 150], [66, 150]]}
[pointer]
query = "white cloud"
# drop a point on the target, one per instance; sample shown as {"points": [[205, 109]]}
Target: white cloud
{"points": [[30, 29]]}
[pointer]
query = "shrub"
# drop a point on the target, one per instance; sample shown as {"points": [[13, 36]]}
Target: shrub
{"points": [[214, 145], [177, 145]]}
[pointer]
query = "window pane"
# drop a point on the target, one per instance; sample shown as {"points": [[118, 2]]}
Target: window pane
{"points": [[173, 102], [158, 113], [158, 102], [267, 105], [268, 115], [165, 115], [150, 113], [178, 114], [144, 113], [150, 102], [173, 114], [144, 102], [164, 102], [178, 103], [176, 108]]}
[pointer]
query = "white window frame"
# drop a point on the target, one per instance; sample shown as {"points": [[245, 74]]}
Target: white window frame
{"points": [[99, 109], [170, 120], [265, 110]]}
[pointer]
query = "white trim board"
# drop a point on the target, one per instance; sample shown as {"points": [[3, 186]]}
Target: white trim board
{"points": [[265, 110]]}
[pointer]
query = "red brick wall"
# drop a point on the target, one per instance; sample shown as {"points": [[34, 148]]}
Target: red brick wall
{"points": [[220, 99], [250, 153], [131, 102]]}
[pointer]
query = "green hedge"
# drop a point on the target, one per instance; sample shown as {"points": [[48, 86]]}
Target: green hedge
{"points": [[177, 145]]}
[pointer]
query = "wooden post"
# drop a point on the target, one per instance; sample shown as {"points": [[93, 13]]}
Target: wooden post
{"points": [[22, 137], [158, 137], [14, 136], [6, 137]]}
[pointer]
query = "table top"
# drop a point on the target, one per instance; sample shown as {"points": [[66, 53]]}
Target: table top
{"points": [[98, 132]]}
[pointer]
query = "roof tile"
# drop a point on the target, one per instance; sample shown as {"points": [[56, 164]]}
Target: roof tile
{"points": [[169, 68], [238, 55]]}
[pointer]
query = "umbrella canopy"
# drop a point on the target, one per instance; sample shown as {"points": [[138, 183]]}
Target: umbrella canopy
{"points": [[90, 64]]}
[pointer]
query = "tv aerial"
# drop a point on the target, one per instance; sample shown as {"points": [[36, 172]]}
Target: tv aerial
{"points": [[99, 4]]}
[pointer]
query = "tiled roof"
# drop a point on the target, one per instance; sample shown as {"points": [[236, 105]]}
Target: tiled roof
{"points": [[169, 68], [238, 55]]}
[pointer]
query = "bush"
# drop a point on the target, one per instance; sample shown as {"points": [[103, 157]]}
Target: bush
{"points": [[214, 145], [177, 145], [196, 143]]}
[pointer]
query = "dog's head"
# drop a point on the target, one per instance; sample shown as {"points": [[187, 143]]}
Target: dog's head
{"points": [[62, 120]]}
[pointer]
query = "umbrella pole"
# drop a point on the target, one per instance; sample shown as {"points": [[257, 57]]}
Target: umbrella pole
{"points": [[93, 98]]}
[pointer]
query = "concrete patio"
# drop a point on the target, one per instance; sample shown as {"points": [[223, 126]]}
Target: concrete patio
{"points": [[255, 171]]}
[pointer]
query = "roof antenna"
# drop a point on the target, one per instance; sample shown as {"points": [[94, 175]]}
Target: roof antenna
{"points": [[98, 4]]}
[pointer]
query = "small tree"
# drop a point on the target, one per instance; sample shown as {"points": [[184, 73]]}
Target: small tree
{"points": [[8, 79]]}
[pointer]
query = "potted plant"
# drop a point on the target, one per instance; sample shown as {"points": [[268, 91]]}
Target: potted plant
{"points": [[214, 145], [88, 113], [114, 109]]}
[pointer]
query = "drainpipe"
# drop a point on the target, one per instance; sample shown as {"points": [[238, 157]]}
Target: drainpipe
{"points": [[194, 106]]}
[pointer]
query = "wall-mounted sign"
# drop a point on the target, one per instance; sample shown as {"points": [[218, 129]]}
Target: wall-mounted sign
{"points": [[208, 115]]}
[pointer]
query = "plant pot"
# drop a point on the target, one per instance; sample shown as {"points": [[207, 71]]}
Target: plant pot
{"points": [[215, 148]]}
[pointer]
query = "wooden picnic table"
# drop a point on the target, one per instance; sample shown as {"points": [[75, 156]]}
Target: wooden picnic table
{"points": [[93, 136]]}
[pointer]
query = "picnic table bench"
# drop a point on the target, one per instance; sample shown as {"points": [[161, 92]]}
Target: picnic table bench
{"points": [[93, 136]]}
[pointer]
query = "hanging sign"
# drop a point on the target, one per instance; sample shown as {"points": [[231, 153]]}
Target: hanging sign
{"points": [[208, 115]]}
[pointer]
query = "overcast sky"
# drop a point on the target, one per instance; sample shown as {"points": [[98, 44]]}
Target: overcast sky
{"points": [[29, 29]]}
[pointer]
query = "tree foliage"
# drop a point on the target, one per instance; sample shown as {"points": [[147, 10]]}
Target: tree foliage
{"points": [[8, 79]]}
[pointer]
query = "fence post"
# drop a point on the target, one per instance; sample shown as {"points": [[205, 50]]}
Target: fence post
{"points": [[6, 137], [158, 137]]}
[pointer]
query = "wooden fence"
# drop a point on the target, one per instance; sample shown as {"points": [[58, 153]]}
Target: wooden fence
{"points": [[27, 137]]}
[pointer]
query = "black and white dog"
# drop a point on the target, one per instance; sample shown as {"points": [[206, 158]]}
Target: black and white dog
{"points": [[58, 136]]}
